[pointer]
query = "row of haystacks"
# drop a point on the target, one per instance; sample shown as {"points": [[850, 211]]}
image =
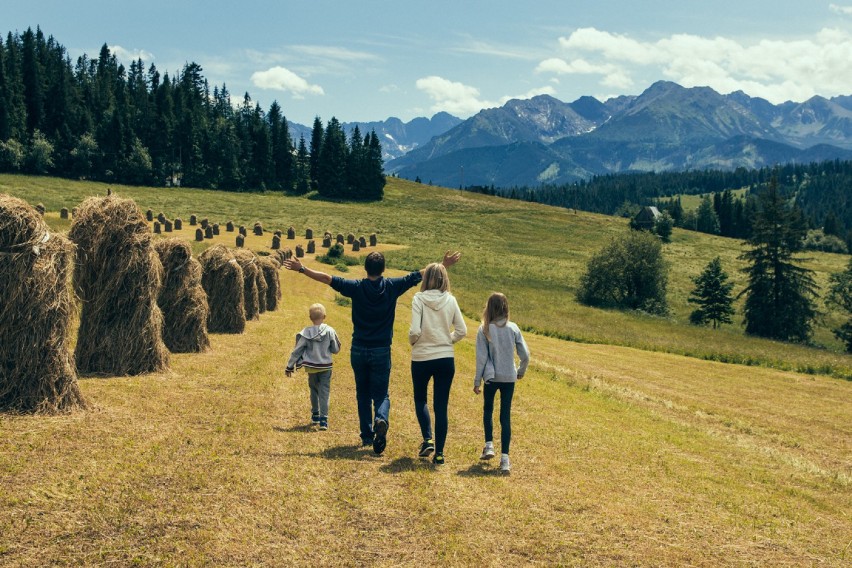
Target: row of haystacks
{"points": [[117, 277], [37, 371], [140, 299]]}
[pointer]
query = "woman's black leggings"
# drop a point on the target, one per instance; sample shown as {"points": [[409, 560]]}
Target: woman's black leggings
{"points": [[443, 371], [507, 390]]}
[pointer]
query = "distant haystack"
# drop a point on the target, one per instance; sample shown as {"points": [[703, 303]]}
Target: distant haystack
{"points": [[222, 279], [269, 267], [373, 240], [118, 278], [248, 262], [182, 298], [309, 234], [63, 213], [37, 372], [262, 287]]}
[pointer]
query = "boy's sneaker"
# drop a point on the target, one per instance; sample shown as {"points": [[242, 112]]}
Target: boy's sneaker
{"points": [[380, 432], [487, 451], [438, 459], [426, 448], [323, 423], [505, 466], [315, 418], [366, 442]]}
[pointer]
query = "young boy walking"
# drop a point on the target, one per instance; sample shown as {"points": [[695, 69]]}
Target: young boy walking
{"points": [[314, 347]]}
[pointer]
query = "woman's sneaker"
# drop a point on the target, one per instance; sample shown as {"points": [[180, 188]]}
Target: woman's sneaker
{"points": [[505, 466], [426, 448], [438, 459], [487, 451]]}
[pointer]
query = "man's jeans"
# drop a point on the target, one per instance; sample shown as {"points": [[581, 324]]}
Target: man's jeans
{"points": [[371, 367]]}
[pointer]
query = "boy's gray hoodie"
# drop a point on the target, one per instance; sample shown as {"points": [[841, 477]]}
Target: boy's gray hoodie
{"points": [[495, 360], [314, 347]]}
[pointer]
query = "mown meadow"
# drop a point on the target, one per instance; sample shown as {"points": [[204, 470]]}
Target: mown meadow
{"points": [[626, 451]]}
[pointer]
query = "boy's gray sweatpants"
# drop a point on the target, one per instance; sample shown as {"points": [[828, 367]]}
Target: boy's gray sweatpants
{"points": [[320, 384]]}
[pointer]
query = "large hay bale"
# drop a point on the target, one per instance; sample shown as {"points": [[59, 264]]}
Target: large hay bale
{"points": [[118, 278], [182, 298], [178, 224], [269, 266], [312, 247], [222, 279], [241, 241], [199, 234], [248, 262], [63, 213], [373, 240], [37, 372], [276, 242]]}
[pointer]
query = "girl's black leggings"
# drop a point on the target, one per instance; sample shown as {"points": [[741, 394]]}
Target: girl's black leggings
{"points": [[442, 370], [507, 390]]}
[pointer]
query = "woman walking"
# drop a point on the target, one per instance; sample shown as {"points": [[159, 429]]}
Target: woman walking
{"points": [[497, 342], [436, 324]]}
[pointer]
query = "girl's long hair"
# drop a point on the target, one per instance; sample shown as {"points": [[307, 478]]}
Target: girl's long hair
{"points": [[435, 278], [496, 308]]}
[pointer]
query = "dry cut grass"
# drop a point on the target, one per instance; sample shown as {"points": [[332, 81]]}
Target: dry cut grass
{"points": [[621, 457]]}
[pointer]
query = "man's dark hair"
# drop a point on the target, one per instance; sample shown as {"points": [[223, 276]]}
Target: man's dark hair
{"points": [[374, 264]]}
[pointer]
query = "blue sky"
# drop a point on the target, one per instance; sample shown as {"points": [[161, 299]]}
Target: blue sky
{"points": [[363, 60]]}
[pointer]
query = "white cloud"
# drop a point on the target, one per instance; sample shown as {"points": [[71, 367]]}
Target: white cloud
{"points": [[837, 9], [778, 70], [131, 54], [463, 100], [282, 79], [391, 88]]}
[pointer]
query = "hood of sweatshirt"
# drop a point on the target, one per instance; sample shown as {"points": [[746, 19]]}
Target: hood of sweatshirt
{"points": [[434, 299], [374, 290], [315, 332]]}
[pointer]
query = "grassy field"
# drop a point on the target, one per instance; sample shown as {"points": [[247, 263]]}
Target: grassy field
{"points": [[623, 454], [533, 253]]}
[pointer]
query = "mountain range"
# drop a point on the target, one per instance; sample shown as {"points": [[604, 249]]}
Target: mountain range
{"points": [[397, 137], [667, 127]]}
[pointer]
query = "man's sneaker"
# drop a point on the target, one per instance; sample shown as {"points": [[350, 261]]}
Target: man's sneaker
{"points": [[323, 423], [505, 466], [380, 432], [366, 442], [315, 418], [487, 451], [438, 459], [426, 448]]}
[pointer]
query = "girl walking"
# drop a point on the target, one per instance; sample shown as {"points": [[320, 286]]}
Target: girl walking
{"points": [[436, 324], [497, 341]]}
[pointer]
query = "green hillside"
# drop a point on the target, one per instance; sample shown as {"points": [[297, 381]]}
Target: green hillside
{"points": [[621, 456], [533, 253]]}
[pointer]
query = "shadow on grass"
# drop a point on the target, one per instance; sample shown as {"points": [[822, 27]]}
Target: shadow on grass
{"points": [[480, 469], [402, 464], [294, 428]]}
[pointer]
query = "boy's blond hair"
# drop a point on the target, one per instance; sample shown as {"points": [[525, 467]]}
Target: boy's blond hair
{"points": [[316, 312]]}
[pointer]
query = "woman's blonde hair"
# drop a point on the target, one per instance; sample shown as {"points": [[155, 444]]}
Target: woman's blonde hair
{"points": [[496, 308], [435, 277]]}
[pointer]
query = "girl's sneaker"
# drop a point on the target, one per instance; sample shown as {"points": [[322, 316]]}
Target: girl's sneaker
{"points": [[505, 466], [426, 448], [315, 418], [487, 451], [438, 459], [323, 423]]}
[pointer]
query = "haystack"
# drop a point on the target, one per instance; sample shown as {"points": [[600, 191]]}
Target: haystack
{"points": [[356, 246], [309, 234], [222, 279], [312, 247], [262, 287], [149, 215], [276, 242], [269, 266], [193, 220], [161, 217], [118, 278], [205, 223], [241, 241], [208, 232], [156, 227], [182, 298], [291, 233], [373, 240], [199, 234], [178, 224], [215, 228], [40, 208], [340, 238], [63, 213], [248, 262], [350, 238], [258, 229], [326, 242], [229, 226], [362, 241], [167, 225], [243, 231], [300, 252], [37, 372]]}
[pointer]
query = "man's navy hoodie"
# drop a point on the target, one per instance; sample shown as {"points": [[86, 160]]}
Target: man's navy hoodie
{"points": [[374, 306]]}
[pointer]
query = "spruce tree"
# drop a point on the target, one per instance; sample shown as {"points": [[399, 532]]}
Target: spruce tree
{"points": [[331, 170], [780, 294], [317, 136], [303, 168], [840, 295], [712, 293]]}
